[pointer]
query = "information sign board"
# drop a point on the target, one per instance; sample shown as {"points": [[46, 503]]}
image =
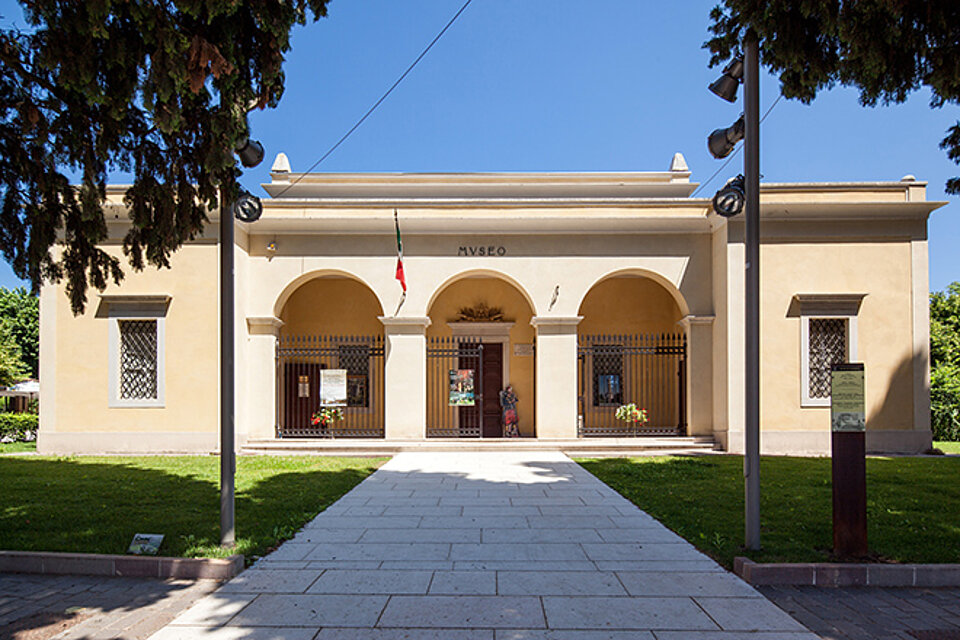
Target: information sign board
{"points": [[847, 397], [333, 388]]}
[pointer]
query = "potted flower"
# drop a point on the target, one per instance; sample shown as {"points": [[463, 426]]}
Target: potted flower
{"points": [[326, 416], [630, 414]]}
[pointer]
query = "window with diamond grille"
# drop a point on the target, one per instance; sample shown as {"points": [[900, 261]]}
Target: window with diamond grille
{"points": [[356, 360], [607, 374], [138, 359], [828, 346]]}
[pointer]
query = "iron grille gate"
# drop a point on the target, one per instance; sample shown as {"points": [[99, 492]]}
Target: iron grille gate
{"points": [[446, 359], [300, 359], [647, 370]]}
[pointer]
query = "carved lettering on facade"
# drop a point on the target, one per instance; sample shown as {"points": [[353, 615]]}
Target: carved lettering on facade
{"points": [[482, 251]]}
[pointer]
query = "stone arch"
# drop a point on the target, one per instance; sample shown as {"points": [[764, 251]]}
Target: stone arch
{"points": [[303, 278], [479, 273], [329, 302], [667, 285]]}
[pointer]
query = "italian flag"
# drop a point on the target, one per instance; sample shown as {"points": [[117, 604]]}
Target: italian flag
{"points": [[400, 276]]}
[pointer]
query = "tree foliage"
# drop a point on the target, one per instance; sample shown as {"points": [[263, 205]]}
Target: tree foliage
{"points": [[886, 48], [945, 362], [20, 313], [157, 89], [12, 368]]}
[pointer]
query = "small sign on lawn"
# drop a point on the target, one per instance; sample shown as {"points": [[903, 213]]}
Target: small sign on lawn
{"points": [[146, 544]]}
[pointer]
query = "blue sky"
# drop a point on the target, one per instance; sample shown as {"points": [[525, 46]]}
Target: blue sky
{"points": [[554, 85]]}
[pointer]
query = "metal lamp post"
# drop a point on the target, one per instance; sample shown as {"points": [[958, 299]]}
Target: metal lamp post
{"points": [[246, 208], [721, 143]]}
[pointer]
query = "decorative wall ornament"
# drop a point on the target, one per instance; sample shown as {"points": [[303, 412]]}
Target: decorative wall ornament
{"points": [[480, 312]]}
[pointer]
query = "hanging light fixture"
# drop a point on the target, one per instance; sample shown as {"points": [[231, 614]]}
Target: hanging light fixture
{"points": [[722, 141], [726, 85]]}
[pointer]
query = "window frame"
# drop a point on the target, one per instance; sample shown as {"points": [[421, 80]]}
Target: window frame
{"points": [[609, 351], [826, 306], [119, 311], [359, 350]]}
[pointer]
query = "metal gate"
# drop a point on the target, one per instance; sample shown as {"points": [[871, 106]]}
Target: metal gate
{"points": [[454, 387], [300, 360], [647, 370]]}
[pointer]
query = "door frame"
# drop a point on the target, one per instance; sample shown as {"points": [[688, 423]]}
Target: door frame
{"points": [[488, 333]]}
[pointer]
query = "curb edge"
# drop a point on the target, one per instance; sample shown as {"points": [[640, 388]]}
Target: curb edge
{"points": [[824, 574], [58, 563]]}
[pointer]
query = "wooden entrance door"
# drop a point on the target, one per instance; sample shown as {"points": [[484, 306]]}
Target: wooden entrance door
{"points": [[301, 395], [492, 383]]}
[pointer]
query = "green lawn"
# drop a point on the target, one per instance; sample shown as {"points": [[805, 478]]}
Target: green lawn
{"points": [[912, 504], [96, 505], [17, 447], [947, 447]]}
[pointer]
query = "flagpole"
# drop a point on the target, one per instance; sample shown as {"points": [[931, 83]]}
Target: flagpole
{"points": [[399, 275]]}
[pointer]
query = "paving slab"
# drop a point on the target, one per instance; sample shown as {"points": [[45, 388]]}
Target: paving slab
{"points": [[559, 583], [552, 634], [475, 583], [566, 612], [283, 610], [272, 581], [676, 583], [376, 581], [404, 634], [747, 614], [485, 546], [235, 633], [482, 612]]}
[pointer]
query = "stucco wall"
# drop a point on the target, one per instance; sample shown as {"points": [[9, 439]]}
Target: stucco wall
{"points": [[78, 417], [332, 306], [885, 331], [629, 304]]}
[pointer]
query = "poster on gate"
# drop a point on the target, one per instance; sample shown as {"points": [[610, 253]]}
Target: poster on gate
{"points": [[461, 388], [333, 388]]}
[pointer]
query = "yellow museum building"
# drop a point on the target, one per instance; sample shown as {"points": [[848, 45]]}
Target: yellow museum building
{"points": [[584, 291]]}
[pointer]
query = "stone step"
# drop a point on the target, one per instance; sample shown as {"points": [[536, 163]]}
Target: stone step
{"points": [[572, 447]]}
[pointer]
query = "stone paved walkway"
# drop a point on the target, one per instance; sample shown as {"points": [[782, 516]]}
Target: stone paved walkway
{"points": [[492, 546], [873, 613], [39, 607]]}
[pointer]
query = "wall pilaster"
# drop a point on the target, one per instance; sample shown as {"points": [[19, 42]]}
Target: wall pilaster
{"points": [[405, 388], [556, 376], [257, 415]]}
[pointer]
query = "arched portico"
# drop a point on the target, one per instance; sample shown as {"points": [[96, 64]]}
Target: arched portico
{"points": [[632, 349], [644, 280], [330, 357], [332, 277], [479, 326]]}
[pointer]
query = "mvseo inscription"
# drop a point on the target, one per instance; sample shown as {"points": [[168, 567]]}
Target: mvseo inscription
{"points": [[488, 250]]}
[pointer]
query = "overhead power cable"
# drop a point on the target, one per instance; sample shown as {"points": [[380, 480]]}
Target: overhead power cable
{"points": [[378, 102], [734, 154]]}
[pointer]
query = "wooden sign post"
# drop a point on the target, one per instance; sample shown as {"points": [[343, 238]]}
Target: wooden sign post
{"points": [[848, 433]]}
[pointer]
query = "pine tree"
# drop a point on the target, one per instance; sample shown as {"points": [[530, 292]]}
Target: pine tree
{"points": [[158, 89], [886, 49]]}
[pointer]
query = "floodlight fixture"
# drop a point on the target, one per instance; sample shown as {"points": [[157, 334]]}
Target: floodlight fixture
{"points": [[730, 198], [722, 141], [250, 153], [247, 207], [726, 85]]}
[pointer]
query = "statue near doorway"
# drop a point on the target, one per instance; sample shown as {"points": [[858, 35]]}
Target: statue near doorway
{"points": [[508, 402]]}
